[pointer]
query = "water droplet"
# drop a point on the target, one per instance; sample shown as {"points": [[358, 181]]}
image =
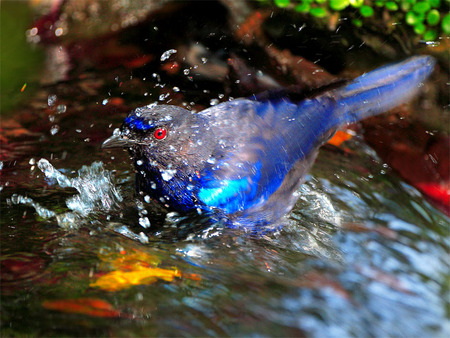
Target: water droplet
{"points": [[104, 102], [61, 109], [162, 97], [144, 222], [156, 76], [139, 162], [213, 102], [143, 238], [59, 31], [32, 161], [153, 185], [167, 54], [51, 100], [186, 71], [54, 129], [168, 174], [176, 89], [147, 199], [204, 60], [32, 32]]}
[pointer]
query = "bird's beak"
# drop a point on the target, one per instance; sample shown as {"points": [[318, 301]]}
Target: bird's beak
{"points": [[116, 141]]}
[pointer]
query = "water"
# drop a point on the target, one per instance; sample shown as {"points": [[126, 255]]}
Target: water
{"points": [[362, 253]]}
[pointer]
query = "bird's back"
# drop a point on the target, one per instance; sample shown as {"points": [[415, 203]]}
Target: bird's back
{"points": [[264, 148]]}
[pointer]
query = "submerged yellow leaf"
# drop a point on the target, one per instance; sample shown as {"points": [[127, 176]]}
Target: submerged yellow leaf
{"points": [[134, 268], [118, 279]]}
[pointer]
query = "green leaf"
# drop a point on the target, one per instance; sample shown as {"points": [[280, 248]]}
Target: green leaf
{"points": [[445, 24], [421, 7], [434, 3], [303, 7], [391, 6], [414, 18], [419, 28], [357, 22], [411, 18], [356, 3], [282, 3], [366, 11], [430, 35], [318, 12], [433, 17], [339, 5]]}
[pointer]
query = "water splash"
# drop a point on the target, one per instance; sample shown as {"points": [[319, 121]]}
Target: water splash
{"points": [[41, 211], [96, 192], [319, 203], [167, 54]]}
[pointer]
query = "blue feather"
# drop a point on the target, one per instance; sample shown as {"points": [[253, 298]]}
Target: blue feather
{"points": [[230, 195], [138, 123], [382, 89]]}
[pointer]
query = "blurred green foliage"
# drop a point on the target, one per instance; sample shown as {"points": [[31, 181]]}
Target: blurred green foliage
{"points": [[428, 18], [19, 61]]}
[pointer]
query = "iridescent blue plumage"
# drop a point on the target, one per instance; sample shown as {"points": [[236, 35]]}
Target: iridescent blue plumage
{"points": [[245, 158], [136, 123]]}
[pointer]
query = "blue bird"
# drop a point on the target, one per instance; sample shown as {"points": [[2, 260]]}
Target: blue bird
{"points": [[244, 159]]}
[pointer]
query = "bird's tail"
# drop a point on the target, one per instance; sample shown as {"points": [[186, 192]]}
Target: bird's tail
{"points": [[382, 89]]}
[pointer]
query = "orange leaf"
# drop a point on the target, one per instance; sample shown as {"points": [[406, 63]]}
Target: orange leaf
{"points": [[192, 276], [87, 306], [118, 279], [339, 138]]}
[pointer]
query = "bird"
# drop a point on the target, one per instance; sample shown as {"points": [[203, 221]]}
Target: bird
{"points": [[244, 159]]}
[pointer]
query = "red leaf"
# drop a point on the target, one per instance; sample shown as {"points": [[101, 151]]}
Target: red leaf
{"points": [[87, 306]]}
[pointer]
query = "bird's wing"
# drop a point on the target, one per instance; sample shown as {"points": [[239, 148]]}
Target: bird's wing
{"points": [[257, 144]]}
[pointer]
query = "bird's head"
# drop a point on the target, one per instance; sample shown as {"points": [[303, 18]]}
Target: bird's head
{"points": [[161, 137]]}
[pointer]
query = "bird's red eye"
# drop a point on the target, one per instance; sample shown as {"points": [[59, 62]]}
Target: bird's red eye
{"points": [[160, 133]]}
